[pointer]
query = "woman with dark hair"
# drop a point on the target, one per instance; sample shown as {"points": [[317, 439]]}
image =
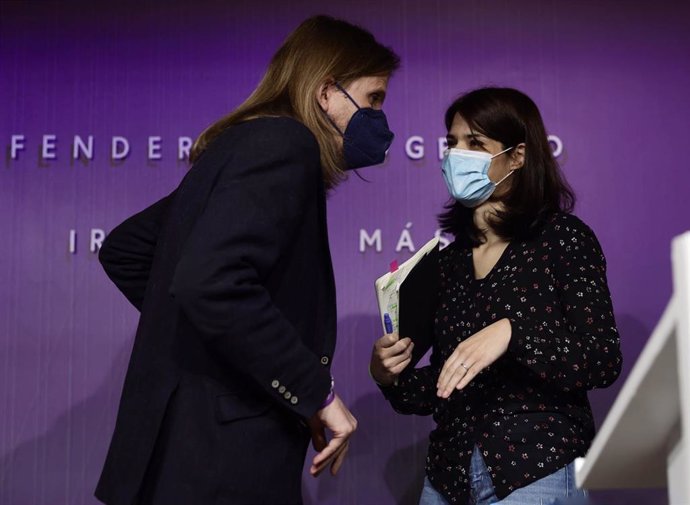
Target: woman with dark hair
{"points": [[523, 324]]}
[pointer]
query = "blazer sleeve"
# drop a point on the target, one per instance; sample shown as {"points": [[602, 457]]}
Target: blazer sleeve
{"points": [[251, 217], [127, 252]]}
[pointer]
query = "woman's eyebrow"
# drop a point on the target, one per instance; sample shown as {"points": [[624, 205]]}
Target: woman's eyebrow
{"points": [[475, 136]]}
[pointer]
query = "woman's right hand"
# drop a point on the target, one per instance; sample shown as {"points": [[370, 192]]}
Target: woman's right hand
{"points": [[390, 356]]}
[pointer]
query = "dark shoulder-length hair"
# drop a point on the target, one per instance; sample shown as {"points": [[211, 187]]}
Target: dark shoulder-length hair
{"points": [[537, 190]]}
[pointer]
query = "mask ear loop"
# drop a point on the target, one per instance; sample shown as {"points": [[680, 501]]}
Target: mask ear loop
{"points": [[511, 171], [357, 174], [504, 151], [506, 176], [337, 85]]}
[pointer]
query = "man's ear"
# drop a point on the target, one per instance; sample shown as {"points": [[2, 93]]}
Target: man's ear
{"points": [[517, 157], [324, 93]]}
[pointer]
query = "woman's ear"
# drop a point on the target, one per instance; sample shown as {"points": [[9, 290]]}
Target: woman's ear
{"points": [[324, 93], [517, 157]]}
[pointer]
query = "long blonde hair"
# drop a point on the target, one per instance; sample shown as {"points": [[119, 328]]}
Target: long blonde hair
{"points": [[321, 48]]}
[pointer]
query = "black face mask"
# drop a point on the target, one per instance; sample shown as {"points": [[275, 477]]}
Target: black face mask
{"points": [[366, 138]]}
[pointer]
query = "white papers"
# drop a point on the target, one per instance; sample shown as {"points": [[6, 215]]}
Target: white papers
{"points": [[388, 285]]}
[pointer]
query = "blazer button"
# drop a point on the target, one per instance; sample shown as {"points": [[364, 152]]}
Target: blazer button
{"points": [[281, 389], [287, 395], [275, 384], [324, 360], [294, 400]]}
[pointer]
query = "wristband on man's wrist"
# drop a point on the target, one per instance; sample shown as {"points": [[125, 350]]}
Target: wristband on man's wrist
{"points": [[331, 396]]}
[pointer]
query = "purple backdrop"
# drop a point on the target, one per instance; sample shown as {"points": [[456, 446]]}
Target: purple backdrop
{"points": [[611, 79]]}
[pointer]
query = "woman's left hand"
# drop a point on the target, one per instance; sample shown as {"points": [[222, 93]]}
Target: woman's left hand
{"points": [[472, 356]]}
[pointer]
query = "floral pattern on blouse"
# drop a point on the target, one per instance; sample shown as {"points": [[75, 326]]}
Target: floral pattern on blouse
{"points": [[528, 412]]}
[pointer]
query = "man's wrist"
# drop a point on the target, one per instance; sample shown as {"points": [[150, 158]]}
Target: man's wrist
{"points": [[331, 395]]}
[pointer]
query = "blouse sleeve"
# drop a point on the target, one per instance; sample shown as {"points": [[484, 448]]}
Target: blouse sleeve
{"points": [[415, 389], [583, 351]]}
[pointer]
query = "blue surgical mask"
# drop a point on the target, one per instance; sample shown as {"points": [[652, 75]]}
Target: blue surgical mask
{"points": [[366, 138], [467, 175]]}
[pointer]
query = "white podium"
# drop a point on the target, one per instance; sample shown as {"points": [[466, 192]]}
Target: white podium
{"points": [[645, 439]]}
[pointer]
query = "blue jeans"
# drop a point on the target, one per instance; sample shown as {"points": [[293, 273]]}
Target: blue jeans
{"points": [[555, 489]]}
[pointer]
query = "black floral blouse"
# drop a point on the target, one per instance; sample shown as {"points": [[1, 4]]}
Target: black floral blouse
{"points": [[528, 413]]}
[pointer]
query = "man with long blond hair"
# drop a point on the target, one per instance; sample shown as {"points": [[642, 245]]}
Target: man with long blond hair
{"points": [[229, 377]]}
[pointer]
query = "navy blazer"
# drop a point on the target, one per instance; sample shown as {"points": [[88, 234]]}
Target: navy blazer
{"points": [[233, 277]]}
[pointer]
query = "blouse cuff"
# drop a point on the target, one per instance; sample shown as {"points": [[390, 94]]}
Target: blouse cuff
{"points": [[516, 343]]}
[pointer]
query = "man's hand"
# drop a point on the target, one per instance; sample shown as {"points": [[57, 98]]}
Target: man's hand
{"points": [[336, 418]]}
